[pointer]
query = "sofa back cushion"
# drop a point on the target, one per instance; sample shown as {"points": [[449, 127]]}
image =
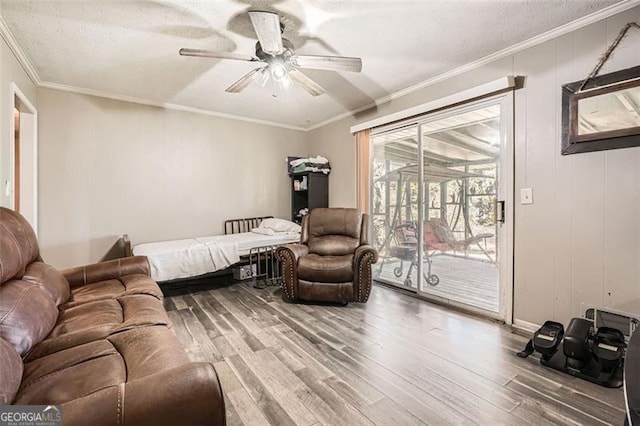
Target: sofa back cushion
{"points": [[50, 279], [334, 231], [18, 245], [27, 314], [10, 372]]}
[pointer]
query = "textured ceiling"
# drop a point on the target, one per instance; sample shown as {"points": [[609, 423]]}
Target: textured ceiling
{"points": [[131, 48]]}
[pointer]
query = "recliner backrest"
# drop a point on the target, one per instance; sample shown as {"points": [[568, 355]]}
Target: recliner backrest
{"points": [[333, 231]]}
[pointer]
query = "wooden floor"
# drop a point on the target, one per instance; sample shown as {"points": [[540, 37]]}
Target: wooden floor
{"points": [[396, 360], [470, 281]]}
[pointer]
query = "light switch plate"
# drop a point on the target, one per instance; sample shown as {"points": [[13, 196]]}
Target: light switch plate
{"points": [[526, 196]]}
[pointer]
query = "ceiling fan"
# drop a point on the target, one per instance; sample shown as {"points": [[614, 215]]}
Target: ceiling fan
{"points": [[283, 65]]}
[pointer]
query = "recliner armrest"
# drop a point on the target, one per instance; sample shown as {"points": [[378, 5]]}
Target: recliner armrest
{"points": [[363, 250], [288, 256], [113, 269], [189, 394], [296, 250], [363, 258]]}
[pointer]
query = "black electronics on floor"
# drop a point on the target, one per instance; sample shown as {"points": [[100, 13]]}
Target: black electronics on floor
{"points": [[593, 354]]}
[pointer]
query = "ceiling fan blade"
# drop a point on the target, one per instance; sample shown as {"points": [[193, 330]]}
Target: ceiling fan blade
{"points": [[330, 63], [306, 82], [242, 84], [219, 55], [267, 26]]}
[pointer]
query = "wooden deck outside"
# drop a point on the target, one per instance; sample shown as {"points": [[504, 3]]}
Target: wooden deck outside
{"points": [[470, 281]]}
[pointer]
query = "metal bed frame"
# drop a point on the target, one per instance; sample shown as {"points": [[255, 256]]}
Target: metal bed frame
{"points": [[262, 259]]}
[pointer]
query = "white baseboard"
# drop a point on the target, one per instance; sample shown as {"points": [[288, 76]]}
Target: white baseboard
{"points": [[526, 326]]}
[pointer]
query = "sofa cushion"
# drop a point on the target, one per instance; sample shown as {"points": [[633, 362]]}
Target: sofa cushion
{"points": [[111, 289], [50, 279], [82, 370], [18, 245], [10, 372], [328, 269], [99, 319], [71, 374], [27, 314]]}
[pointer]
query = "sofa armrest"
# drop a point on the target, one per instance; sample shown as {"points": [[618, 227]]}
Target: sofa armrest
{"points": [[113, 269], [288, 256], [363, 258], [189, 394]]}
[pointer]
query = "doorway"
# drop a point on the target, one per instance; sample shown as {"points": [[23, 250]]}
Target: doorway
{"points": [[23, 187], [441, 206]]}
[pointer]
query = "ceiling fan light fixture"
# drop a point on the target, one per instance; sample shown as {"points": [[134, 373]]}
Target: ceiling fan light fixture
{"points": [[278, 71]]}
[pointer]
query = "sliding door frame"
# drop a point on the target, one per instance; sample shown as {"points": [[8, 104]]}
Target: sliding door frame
{"points": [[505, 237]]}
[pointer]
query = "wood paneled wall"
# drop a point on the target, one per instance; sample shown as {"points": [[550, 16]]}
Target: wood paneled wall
{"points": [[579, 243]]}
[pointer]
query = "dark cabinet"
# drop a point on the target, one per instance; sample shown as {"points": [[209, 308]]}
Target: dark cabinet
{"points": [[308, 191]]}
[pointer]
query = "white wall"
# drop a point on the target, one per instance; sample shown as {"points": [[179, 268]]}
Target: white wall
{"points": [[109, 167], [10, 72], [579, 243]]}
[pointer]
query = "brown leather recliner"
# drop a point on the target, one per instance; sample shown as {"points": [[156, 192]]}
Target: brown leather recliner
{"points": [[95, 340], [332, 262]]}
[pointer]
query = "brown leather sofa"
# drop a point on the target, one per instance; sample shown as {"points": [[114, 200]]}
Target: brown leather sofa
{"points": [[95, 340], [332, 262]]}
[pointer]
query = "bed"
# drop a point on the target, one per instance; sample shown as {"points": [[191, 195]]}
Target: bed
{"points": [[195, 257]]}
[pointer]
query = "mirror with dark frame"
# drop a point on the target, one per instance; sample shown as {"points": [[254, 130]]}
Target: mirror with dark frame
{"points": [[604, 114]]}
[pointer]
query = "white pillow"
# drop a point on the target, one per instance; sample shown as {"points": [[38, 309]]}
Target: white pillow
{"points": [[280, 225], [263, 231]]}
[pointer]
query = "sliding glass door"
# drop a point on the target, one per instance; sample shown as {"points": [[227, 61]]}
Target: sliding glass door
{"points": [[441, 204], [395, 210]]}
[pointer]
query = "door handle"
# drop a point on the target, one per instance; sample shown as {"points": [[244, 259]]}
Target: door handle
{"points": [[500, 211]]}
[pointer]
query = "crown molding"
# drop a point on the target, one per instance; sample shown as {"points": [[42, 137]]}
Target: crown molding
{"points": [[166, 105], [599, 15], [511, 50], [26, 64]]}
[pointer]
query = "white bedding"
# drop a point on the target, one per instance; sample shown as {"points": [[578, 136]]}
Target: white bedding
{"points": [[190, 257]]}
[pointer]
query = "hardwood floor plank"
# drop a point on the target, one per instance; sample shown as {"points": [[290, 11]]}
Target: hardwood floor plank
{"points": [[311, 363], [347, 413], [364, 389], [490, 391], [317, 406], [388, 412], [246, 408], [269, 407], [456, 397], [233, 418], [203, 317], [538, 413], [242, 324], [394, 360], [570, 413], [414, 399], [228, 379], [281, 383], [194, 351], [200, 335], [580, 401]]}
